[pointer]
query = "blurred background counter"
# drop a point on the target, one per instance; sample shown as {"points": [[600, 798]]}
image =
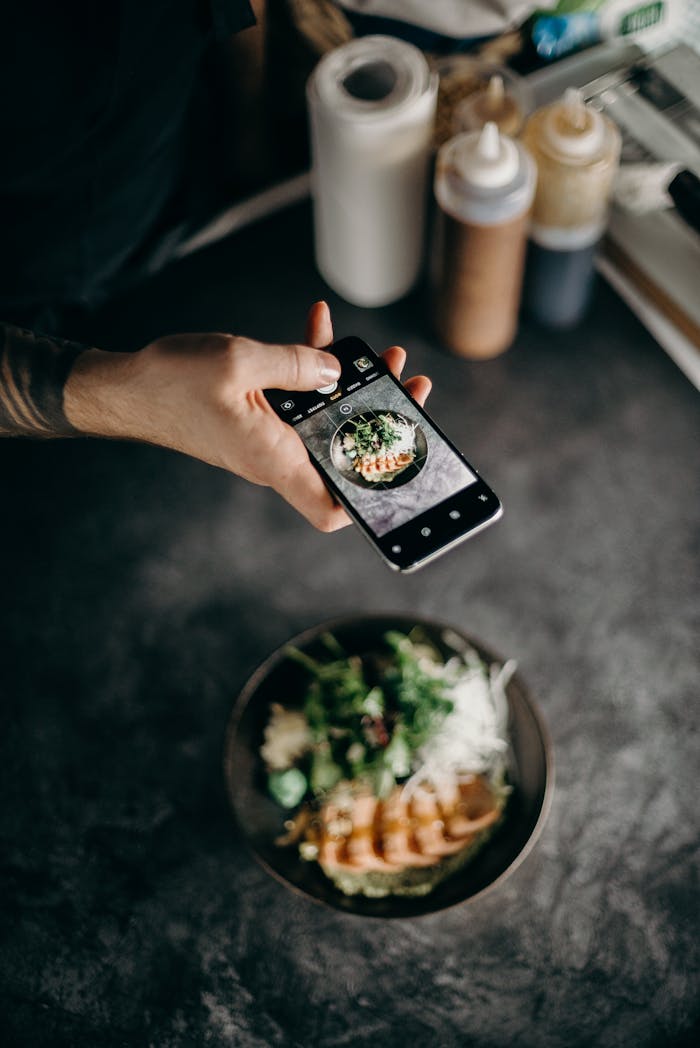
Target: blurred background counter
{"points": [[651, 259]]}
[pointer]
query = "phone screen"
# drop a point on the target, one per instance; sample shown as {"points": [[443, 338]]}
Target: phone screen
{"points": [[386, 460]]}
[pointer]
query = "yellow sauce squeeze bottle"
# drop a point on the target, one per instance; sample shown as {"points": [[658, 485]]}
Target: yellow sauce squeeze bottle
{"points": [[577, 151]]}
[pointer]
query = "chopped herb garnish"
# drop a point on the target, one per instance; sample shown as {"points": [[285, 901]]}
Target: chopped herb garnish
{"points": [[368, 716]]}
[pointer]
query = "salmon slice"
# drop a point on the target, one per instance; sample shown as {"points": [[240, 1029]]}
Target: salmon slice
{"points": [[430, 827], [372, 466], [347, 838], [361, 849], [398, 842], [475, 809], [331, 843], [367, 834], [466, 807]]}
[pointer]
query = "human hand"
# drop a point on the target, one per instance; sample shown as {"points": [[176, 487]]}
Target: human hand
{"points": [[319, 333], [202, 394]]}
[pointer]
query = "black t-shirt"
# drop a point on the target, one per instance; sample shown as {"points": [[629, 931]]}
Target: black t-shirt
{"points": [[94, 99]]}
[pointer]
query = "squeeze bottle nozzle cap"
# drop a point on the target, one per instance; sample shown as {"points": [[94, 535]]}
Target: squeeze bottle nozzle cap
{"points": [[486, 158], [574, 128], [495, 92]]}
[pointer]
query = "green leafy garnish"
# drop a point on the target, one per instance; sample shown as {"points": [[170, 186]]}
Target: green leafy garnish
{"points": [[368, 716], [374, 434]]}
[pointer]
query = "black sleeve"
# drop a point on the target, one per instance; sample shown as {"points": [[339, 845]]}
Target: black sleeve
{"points": [[34, 369], [230, 16]]}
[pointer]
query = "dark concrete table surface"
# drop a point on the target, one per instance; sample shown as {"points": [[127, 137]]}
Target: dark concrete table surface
{"points": [[139, 589]]}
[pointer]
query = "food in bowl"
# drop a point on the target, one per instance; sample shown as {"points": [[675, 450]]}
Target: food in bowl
{"points": [[379, 447], [394, 768]]}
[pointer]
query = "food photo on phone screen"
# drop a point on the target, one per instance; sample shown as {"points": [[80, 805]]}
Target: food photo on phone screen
{"points": [[388, 461], [407, 487]]}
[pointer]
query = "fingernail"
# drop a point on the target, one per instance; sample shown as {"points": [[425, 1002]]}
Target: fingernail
{"points": [[330, 369]]}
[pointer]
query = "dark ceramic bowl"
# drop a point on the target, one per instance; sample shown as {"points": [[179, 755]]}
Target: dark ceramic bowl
{"points": [[260, 819], [344, 465]]}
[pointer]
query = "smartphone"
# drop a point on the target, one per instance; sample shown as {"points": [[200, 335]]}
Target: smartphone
{"points": [[406, 486]]}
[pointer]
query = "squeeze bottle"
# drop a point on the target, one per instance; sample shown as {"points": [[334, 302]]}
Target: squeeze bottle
{"points": [[577, 151], [497, 101], [484, 185]]}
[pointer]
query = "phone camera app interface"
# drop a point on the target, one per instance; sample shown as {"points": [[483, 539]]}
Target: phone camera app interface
{"points": [[382, 454]]}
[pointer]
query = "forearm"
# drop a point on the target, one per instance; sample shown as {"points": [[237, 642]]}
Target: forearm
{"points": [[101, 396], [33, 373], [50, 387]]}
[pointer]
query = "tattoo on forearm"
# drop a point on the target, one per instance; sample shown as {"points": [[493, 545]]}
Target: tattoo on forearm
{"points": [[33, 371]]}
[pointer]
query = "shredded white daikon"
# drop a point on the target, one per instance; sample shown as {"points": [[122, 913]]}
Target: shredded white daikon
{"points": [[473, 738]]}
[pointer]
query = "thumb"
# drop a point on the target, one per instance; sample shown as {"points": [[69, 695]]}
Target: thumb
{"points": [[296, 367]]}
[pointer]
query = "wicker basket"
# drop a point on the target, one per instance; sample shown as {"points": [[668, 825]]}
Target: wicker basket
{"points": [[320, 23]]}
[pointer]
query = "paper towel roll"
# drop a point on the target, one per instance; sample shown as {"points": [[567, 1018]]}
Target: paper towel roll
{"points": [[372, 109]]}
